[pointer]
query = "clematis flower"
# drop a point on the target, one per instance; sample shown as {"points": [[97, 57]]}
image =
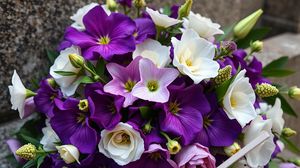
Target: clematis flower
{"points": [[193, 56], [202, 25], [68, 84], [124, 79], [239, 99], [182, 114], [49, 138], [155, 156], [78, 16], [162, 20], [260, 155], [153, 50], [145, 28], [154, 82], [275, 114], [104, 36]]}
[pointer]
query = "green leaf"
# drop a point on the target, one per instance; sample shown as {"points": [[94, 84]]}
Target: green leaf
{"points": [[30, 164], [273, 164], [286, 107], [277, 64], [290, 145], [227, 31], [277, 73], [167, 10], [40, 160], [255, 34], [30, 139], [65, 73], [100, 67], [90, 66], [86, 80], [52, 55], [145, 112], [222, 89]]}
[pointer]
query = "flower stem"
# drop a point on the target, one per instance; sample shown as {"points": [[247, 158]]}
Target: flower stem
{"points": [[96, 76], [165, 135]]}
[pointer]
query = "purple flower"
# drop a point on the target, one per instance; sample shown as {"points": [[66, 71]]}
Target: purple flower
{"points": [[73, 126], [45, 98], [105, 109], [288, 165], [127, 3], [218, 129], [174, 11], [104, 36], [182, 114], [154, 82], [124, 79], [14, 145], [254, 72], [145, 29], [154, 157]]}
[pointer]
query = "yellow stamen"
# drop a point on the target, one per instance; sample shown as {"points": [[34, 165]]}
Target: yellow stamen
{"points": [[104, 40]]}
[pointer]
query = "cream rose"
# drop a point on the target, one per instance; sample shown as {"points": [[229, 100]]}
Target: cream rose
{"points": [[123, 144]]}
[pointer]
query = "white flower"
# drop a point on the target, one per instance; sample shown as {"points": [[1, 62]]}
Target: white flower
{"points": [[68, 153], [260, 155], [68, 84], [18, 94], [202, 25], [275, 114], [50, 138], [123, 144], [193, 56], [78, 17], [263, 108], [162, 20], [153, 50], [239, 99]]}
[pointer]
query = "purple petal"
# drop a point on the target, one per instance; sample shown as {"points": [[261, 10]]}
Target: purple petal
{"points": [[79, 38], [145, 29], [94, 22], [29, 107], [14, 145]]}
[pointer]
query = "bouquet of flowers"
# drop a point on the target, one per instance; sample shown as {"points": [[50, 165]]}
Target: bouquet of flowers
{"points": [[148, 88]]}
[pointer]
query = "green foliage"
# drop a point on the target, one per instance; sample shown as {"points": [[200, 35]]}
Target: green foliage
{"points": [[273, 164], [145, 112], [290, 145], [66, 73], [31, 132], [86, 80], [255, 34], [52, 55], [276, 68], [286, 107], [227, 32]]}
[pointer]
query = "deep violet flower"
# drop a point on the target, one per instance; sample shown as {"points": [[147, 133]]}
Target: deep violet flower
{"points": [[127, 3], [104, 36], [145, 28], [174, 11]]}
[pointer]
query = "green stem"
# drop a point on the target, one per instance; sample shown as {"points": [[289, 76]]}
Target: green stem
{"points": [[158, 31], [138, 12], [165, 135], [30, 93], [96, 76], [251, 52]]}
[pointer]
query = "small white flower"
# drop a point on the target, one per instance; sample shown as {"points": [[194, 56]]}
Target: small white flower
{"points": [[153, 50], [50, 138], [78, 17], [202, 25], [68, 84], [193, 56], [123, 144], [162, 20], [260, 155], [275, 114], [68, 153], [239, 99], [263, 108]]}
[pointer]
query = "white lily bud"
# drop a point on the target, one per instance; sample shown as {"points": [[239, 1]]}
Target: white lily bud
{"points": [[68, 153]]}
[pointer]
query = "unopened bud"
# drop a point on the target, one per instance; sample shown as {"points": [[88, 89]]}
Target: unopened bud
{"points": [[256, 46], [173, 146], [51, 82], [294, 93], [223, 75], [111, 5], [147, 128], [27, 152], [139, 3], [83, 105], [266, 90], [29, 93], [227, 47], [76, 60], [185, 9], [232, 149], [288, 132]]}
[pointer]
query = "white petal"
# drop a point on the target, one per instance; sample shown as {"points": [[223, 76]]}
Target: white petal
{"points": [[161, 20], [276, 115]]}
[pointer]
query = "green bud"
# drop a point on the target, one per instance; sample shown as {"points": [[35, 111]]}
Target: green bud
{"points": [[83, 105], [185, 9], [173, 146], [294, 93], [256, 46], [139, 3], [51, 82], [27, 152], [232, 149], [288, 132], [243, 27], [76, 60], [111, 5], [266, 90], [223, 75], [147, 128]]}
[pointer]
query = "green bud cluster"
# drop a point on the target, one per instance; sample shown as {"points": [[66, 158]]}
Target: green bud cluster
{"points": [[223, 75], [266, 90]]}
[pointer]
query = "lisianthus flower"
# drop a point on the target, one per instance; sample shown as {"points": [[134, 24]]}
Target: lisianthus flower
{"points": [[73, 126], [182, 114], [276, 115], [105, 109], [162, 20], [68, 84], [49, 138], [215, 125], [78, 16], [260, 155], [124, 79], [195, 155], [153, 50], [123, 144], [45, 97], [202, 25], [127, 3], [155, 156], [239, 99], [193, 56], [154, 82], [104, 36], [145, 28]]}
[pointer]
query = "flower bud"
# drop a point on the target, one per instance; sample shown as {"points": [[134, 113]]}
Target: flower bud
{"points": [[139, 3], [185, 9], [288, 132], [173, 146], [147, 128], [83, 105], [232, 149], [111, 5], [51, 82], [68, 153], [265, 90], [256, 46], [294, 93], [227, 47], [243, 27], [27, 152], [223, 75], [76, 60]]}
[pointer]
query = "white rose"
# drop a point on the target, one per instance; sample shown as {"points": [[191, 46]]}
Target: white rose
{"points": [[276, 115], [68, 153], [202, 25], [67, 84], [78, 17], [123, 144], [153, 50], [239, 99], [161, 20], [50, 138]]}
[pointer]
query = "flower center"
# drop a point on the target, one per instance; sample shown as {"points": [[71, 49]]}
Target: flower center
{"points": [[174, 107], [233, 102], [189, 62], [135, 34], [152, 85], [129, 85], [83, 105], [112, 108], [104, 40], [155, 156], [207, 122], [122, 138], [81, 118]]}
